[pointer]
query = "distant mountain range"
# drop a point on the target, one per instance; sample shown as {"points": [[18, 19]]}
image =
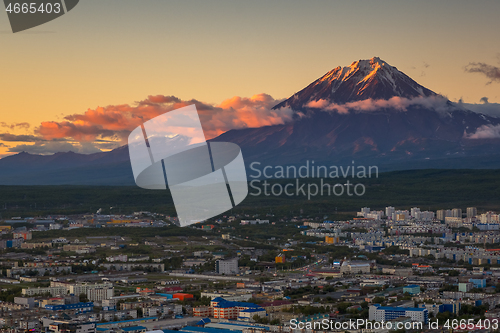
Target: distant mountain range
{"points": [[108, 168], [369, 112]]}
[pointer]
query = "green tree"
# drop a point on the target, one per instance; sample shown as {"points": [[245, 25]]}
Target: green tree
{"points": [[83, 298]]}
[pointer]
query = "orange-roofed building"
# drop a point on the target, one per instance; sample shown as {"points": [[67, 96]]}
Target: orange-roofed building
{"points": [[182, 296]]}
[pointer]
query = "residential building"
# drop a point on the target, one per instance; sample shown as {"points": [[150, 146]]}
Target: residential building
{"points": [[227, 267], [355, 267], [478, 282], [26, 235], [465, 287], [471, 212], [72, 326], [100, 293], [456, 212], [386, 313], [413, 289]]}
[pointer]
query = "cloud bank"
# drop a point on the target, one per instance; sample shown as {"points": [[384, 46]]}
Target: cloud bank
{"points": [[105, 128], [437, 103], [115, 122], [486, 132], [108, 127]]}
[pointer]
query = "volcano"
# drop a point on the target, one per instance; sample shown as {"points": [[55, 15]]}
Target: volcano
{"points": [[363, 79], [372, 113]]}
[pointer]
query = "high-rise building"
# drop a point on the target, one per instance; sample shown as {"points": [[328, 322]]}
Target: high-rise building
{"points": [[376, 215], [490, 217], [456, 212], [227, 267], [389, 211], [424, 216], [471, 211], [443, 214], [401, 215], [414, 211], [364, 211]]}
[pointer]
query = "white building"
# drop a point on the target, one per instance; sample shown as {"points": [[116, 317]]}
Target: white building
{"points": [[456, 212], [386, 313], [100, 294], [94, 292], [489, 217], [389, 211], [375, 214], [401, 215], [471, 212], [120, 257], [227, 267], [443, 214], [252, 222], [53, 291], [355, 267], [424, 216]]}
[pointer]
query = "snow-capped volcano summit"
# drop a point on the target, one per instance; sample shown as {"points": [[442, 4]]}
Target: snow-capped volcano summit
{"points": [[369, 111], [363, 79]]}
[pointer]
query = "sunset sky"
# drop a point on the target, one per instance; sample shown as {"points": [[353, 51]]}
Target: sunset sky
{"points": [[107, 57]]}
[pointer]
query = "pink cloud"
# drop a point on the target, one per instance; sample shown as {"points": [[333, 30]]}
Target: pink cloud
{"points": [[115, 122]]}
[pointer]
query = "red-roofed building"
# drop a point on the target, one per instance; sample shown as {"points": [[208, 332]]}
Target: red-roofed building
{"points": [[276, 306], [172, 289]]}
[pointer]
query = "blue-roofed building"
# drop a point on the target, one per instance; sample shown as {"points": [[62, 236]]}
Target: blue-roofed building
{"points": [[203, 322], [194, 329], [134, 329], [385, 313], [237, 326], [224, 309], [81, 307], [222, 303]]}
